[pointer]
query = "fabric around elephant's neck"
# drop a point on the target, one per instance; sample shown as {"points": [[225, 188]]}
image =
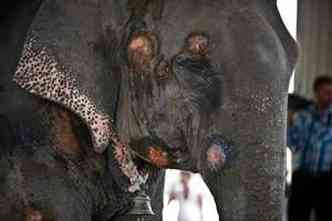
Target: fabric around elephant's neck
{"points": [[39, 73]]}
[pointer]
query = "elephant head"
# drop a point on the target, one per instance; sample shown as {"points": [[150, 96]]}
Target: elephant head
{"points": [[194, 85], [168, 102]]}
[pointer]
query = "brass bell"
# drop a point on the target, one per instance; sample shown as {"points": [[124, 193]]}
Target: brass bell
{"points": [[142, 205]]}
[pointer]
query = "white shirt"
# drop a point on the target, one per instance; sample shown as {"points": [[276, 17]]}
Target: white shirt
{"points": [[189, 209]]}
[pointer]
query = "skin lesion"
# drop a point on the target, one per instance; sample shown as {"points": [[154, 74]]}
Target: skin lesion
{"points": [[142, 49], [216, 157], [158, 157], [197, 44], [144, 56], [32, 214]]}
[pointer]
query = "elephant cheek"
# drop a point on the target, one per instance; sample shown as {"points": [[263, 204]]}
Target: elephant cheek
{"points": [[215, 157]]}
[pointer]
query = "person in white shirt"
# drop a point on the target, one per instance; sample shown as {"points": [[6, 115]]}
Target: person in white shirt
{"points": [[190, 200]]}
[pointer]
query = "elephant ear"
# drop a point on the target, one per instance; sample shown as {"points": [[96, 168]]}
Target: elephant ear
{"points": [[40, 74], [69, 62]]}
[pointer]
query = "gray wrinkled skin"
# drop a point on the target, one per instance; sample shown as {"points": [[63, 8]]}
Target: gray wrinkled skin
{"points": [[231, 97]]}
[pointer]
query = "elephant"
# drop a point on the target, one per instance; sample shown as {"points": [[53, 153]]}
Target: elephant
{"points": [[101, 96]]}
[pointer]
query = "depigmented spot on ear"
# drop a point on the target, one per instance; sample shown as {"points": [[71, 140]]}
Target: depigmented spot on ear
{"points": [[142, 48], [197, 43]]}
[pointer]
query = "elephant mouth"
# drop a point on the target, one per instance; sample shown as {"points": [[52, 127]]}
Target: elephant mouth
{"points": [[156, 152]]}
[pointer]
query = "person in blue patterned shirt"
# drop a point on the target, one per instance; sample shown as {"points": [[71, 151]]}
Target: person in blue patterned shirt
{"points": [[310, 135]]}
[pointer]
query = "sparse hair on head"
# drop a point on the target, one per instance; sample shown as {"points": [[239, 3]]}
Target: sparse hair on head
{"points": [[321, 80]]}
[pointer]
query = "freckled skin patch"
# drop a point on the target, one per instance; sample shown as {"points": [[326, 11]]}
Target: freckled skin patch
{"points": [[33, 215], [216, 157], [158, 157], [39, 73]]}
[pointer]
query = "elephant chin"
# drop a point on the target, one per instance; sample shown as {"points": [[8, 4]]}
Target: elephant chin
{"points": [[157, 153]]}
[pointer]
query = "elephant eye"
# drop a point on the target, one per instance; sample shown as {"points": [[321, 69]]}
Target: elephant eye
{"points": [[142, 48], [197, 44]]}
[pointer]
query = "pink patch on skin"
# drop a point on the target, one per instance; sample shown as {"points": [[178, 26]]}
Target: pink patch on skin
{"points": [[33, 215], [142, 48], [158, 157], [198, 44], [138, 44], [216, 157]]}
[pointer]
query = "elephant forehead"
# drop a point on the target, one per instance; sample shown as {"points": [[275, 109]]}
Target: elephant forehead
{"points": [[233, 33], [183, 19]]}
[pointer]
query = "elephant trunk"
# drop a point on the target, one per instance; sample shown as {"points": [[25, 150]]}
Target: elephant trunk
{"points": [[246, 177]]}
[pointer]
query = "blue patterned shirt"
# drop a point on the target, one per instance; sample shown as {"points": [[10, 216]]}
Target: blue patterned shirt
{"points": [[310, 136]]}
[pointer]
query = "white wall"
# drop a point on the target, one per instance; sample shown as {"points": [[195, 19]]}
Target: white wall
{"points": [[288, 11]]}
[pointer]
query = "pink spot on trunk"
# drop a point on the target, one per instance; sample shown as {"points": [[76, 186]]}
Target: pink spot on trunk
{"points": [[216, 157]]}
